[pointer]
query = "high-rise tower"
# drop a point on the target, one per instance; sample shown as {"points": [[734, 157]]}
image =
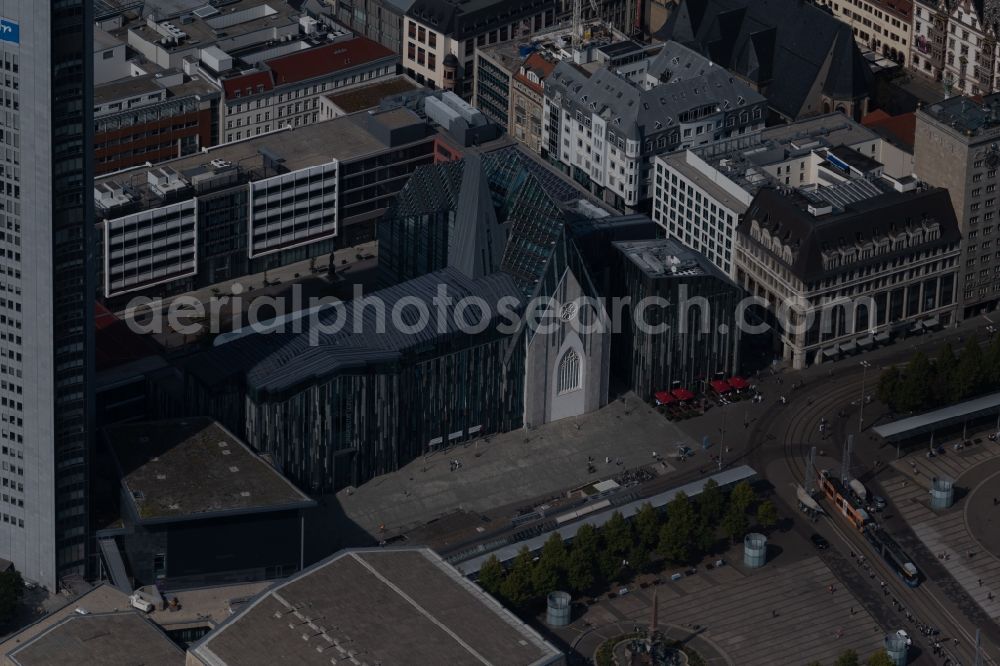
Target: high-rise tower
{"points": [[46, 285]]}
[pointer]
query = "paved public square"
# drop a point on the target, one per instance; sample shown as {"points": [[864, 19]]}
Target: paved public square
{"points": [[964, 538], [779, 614], [502, 473]]}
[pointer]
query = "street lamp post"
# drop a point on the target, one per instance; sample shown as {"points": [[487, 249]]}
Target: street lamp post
{"points": [[861, 411]]}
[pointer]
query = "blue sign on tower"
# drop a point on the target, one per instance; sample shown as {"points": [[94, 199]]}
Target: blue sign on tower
{"points": [[10, 31]]}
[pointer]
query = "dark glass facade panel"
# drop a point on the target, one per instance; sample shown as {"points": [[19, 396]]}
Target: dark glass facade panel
{"points": [[73, 278]]}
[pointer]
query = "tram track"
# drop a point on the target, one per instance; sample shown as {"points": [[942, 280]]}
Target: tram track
{"points": [[796, 437]]}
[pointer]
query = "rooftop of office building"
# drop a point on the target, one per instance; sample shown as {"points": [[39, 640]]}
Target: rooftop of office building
{"points": [[345, 138], [687, 164], [463, 18], [310, 63], [369, 96], [128, 89], [973, 118], [667, 258], [743, 159], [388, 606], [600, 43], [186, 24], [193, 467], [117, 638]]}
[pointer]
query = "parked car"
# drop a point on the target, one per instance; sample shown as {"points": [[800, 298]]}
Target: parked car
{"points": [[902, 634], [819, 542], [880, 502]]}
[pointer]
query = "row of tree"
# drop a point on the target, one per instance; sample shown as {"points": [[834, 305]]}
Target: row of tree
{"points": [[943, 380], [850, 658], [682, 534]]}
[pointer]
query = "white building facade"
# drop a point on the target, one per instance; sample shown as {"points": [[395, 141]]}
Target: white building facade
{"points": [[956, 43], [606, 130], [700, 206]]}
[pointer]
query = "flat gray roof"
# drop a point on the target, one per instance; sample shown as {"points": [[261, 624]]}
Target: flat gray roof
{"points": [[835, 128], [104, 598], [678, 161], [940, 418], [125, 88], [193, 467], [341, 138], [368, 97], [385, 605], [104, 40], [202, 32], [111, 639]]}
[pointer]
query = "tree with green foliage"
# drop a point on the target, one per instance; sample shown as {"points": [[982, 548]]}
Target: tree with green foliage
{"points": [[915, 389], [639, 557], [581, 573], [767, 514], [742, 497], [491, 575], [677, 535], [848, 658], [704, 534], [11, 591], [735, 523], [549, 573], [881, 658], [945, 375], [889, 384], [992, 363], [647, 526], [517, 588], [711, 503], [969, 373], [617, 534]]}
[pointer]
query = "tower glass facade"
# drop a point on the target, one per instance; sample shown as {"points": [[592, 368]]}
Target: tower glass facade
{"points": [[46, 326]]}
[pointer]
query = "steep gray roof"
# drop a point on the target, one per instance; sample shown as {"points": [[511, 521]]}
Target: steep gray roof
{"points": [[637, 113], [783, 46], [282, 361], [478, 242], [784, 215]]}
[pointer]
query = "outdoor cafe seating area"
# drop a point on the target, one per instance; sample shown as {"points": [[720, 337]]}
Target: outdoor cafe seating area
{"points": [[682, 403]]}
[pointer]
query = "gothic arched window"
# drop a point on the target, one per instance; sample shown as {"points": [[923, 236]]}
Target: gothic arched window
{"points": [[569, 372]]}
